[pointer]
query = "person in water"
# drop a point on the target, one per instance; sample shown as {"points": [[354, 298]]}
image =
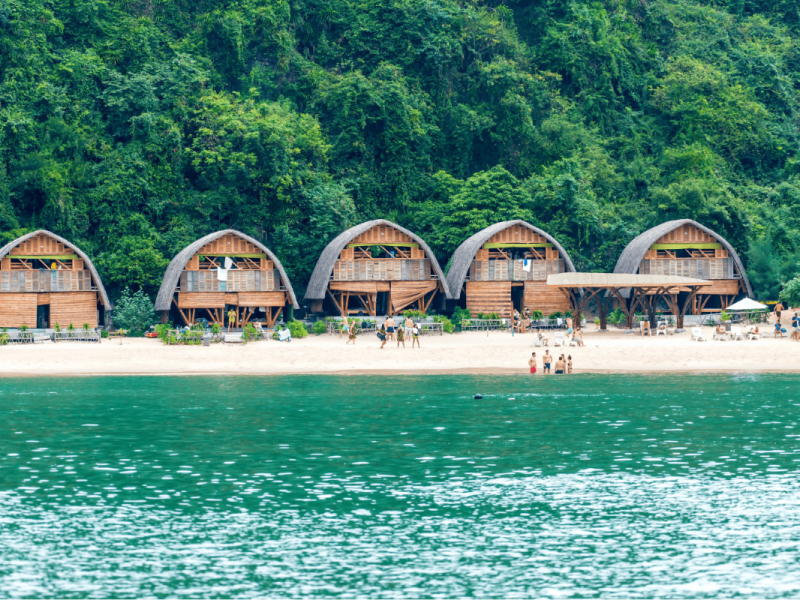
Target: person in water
{"points": [[382, 335], [532, 363], [401, 337], [547, 359]]}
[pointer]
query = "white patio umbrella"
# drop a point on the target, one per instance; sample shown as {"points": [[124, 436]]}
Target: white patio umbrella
{"points": [[746, 304]]}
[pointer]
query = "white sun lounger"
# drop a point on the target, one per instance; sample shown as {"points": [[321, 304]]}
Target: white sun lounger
{"points": [[736, 333], [558, 339], [751, 333], [661, 329], [697, 335]]}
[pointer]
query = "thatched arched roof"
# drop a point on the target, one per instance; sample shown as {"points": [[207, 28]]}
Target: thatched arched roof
{"points": [[86, 260], [175, 268], [462, 259], [632, 256], [322, 272]]}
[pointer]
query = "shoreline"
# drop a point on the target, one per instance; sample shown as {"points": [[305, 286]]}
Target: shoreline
{"points": [[469, 353]]}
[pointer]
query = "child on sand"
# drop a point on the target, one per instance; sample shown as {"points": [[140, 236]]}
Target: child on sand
{"points": [[547, 359], [415, 335], [401, 337], [532, 363]]}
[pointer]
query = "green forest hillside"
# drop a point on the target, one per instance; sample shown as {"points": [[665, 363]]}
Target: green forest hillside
{"points": [[134, 127]]}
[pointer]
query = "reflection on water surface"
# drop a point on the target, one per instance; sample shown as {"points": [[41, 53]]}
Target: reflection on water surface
{"points": [[400, 487]]}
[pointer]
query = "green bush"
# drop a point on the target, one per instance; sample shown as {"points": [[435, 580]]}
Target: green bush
{"points": [[297, 329], [249, 333], [459, 315], [104, 334], [447, 324], [134, 312], [162, 330], [319, 327]]}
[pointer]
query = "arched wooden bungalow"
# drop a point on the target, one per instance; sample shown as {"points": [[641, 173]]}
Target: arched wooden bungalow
{"points": [[223, 271], [505, 266], [688, 249], [44, 280], [375, 268]]}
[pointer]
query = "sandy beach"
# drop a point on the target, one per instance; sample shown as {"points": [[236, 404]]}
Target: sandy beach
{"points": [[472, 352]]}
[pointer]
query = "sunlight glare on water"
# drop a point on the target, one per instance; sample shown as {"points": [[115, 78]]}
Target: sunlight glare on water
{"points": [[614, 486]]}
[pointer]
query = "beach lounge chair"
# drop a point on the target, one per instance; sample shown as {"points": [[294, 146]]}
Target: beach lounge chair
{"points": [[722, 336], [559, 339], [697, 335], [662, 328], [752, 334], [736, 333]]}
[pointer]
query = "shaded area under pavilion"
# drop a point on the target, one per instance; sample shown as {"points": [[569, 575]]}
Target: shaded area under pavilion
{"points": [[631, 292]]}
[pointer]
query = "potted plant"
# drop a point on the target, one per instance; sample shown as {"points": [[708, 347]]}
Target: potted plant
{"points": [[725, 317]]}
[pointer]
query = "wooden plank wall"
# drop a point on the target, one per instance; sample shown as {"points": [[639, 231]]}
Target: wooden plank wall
{"points": [[489, 297], [506, 270], [382, 269], [712, 268], [517, 234], [41, 245], [46, 281], [685, 234], [230, 244], [381, 234], [722, 286], [548, 299], [17, 310], [201, 300], [76, 308], [262, 299], [238, 281]]}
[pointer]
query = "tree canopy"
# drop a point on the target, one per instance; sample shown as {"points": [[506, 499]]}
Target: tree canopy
{"points": [[133, 128]]}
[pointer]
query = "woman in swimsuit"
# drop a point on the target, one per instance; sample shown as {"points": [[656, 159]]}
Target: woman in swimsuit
{"points": [[382, 336], [401, 337], [351, 334], [569, 364]]}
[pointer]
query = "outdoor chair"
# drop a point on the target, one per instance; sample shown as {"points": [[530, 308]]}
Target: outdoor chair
{"points": [[559, 339], [736, 333], [753, 333], [662, 328], [697, 335], [720, 335], [644, 328]]}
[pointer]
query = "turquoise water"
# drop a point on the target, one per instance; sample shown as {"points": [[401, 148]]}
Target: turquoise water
{"points": [[394, 487]]}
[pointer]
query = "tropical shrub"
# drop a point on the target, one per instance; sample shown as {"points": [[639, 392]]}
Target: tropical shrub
{"points": [[319, 327], [297, 329], [134, 312]]}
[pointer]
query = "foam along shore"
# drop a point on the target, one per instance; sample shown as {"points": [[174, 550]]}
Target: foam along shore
{"points": [[472, 352]]}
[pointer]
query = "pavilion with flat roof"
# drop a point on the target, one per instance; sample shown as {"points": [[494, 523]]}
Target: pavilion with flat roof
{"points": [[632, 291]]}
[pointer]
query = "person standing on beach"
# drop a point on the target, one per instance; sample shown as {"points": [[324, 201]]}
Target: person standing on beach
{"points": [[415, 335], [532, 363], [344, 328], [382, 335], [351, 333], [569, 364], [390, 328], [409, 325], [231, 319], [560, 365], [547, 359], [401, 337]]}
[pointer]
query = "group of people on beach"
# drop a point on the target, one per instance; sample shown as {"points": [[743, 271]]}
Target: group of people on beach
{"points": [[389, 331], [562, 365]]}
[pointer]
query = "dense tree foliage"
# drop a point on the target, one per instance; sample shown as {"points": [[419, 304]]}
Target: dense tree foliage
{"points": [[135, 127]]}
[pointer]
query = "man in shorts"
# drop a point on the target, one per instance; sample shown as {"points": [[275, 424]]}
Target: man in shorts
{"points": [[390, 328], [547, 359], [408, 325], [561, 366], [532, 363]]}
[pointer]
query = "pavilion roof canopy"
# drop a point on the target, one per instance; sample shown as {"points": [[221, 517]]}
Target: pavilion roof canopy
{"points": [[621, 280]]}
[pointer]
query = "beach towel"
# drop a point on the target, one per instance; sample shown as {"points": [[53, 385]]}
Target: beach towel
{"points": [[526, 265], [222, 274], [228, 263], [284, 335]]}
